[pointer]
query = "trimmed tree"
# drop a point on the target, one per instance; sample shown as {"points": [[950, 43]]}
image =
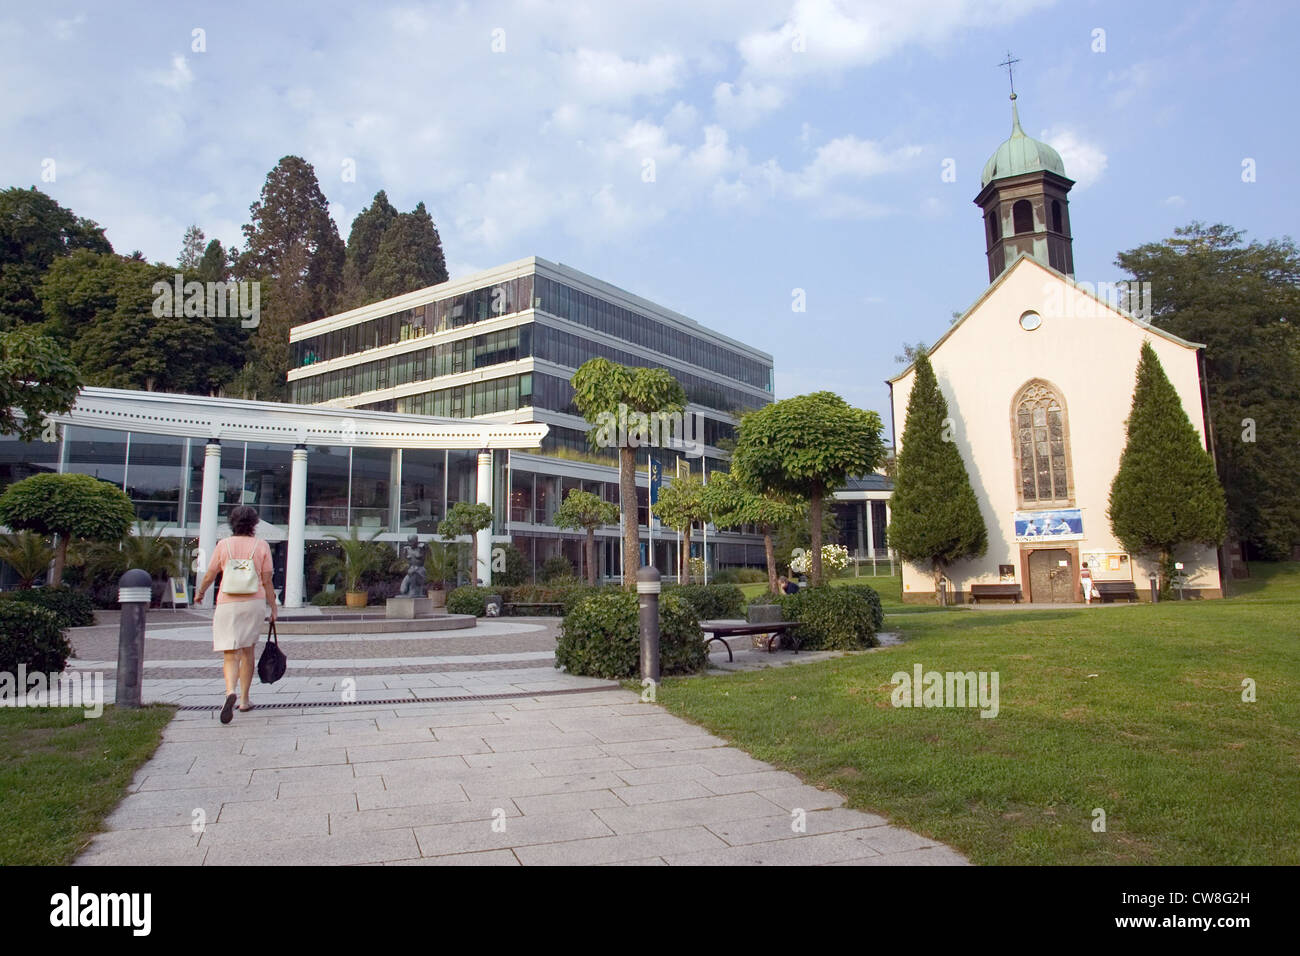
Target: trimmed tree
{"points": [[1166, 493], [731, 504], [581, 510], [36, 379], [70, 506], [935, 517], [682, 506], [806, 447], [463, 519], [618, 401]]}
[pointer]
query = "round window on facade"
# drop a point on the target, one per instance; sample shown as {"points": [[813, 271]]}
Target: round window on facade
{"points": [[1030, 321]]}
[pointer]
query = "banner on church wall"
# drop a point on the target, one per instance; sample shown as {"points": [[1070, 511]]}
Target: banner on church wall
{"points": [[1061, 524]]}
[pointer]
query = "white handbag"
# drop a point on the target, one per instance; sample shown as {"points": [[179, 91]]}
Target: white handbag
{"points": [[239, 576]]}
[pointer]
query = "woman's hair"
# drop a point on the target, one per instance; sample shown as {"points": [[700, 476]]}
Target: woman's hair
{"points": [[243, 520]]}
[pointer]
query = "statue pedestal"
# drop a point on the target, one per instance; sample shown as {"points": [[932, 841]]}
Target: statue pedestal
{"points": [[408, 608]]}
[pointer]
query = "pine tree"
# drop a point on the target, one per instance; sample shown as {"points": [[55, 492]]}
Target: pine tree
{"points": [[191, 250], [215, 264], [1166, 493], [935, 517], [294, 250], [363, 244], [409, 257]]}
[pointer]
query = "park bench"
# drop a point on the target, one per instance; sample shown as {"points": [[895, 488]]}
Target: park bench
{"points": [[721, 630], [981, 591], [1110, 590], [556, 606]]}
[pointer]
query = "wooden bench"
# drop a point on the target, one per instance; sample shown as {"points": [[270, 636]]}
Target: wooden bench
{"points": [[1110, 590], [981, 591], [721, 630], [556, 605]]}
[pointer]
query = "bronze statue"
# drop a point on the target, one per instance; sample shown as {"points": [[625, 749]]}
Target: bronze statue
{"points": [[415, 582]]}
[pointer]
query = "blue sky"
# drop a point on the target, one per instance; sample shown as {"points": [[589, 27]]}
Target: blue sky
{"points": [[796, 144]]}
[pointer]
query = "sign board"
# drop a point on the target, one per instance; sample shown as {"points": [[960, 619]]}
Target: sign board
{"points": [[656, 479], [180, 592], [1061, 524]]}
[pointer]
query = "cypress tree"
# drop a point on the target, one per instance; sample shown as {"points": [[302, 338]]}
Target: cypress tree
{"points": [[363, 244], [409, 257], [1166, 493], [935, 518]]}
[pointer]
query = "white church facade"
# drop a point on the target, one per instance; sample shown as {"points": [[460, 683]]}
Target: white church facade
{"points": [[1039, 376]]}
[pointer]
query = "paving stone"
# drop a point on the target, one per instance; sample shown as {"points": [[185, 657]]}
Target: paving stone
{"points": [[636, 778], [802, 851], [527, 758], [653, 861], [565, 768], [270, 810], [925, 856], [762, 780], [407, 751], [662, 792], [572, 800], [616, 849], [897, 840], [414, 768], [803, 797], [685, 739], [485, 858], [679, 813], [282, 826], [537, 785], [321, 757], [721, 760], [371, 846], [309, 788], [202, 779], [421, 815], [780, 827], [521, 831]]}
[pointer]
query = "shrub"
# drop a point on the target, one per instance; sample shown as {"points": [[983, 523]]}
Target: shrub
{"points": [[469, 600], [873, 598], [601, 637], [31, 636], [557, 567], [72, 608], [833, 619], [516, 568], [329, 598], [711, 601]]}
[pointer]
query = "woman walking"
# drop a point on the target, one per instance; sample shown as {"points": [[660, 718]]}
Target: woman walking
{"points": [[245, 565]]}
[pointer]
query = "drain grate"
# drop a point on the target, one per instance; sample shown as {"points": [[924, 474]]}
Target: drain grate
{"points": [[408, 700]]}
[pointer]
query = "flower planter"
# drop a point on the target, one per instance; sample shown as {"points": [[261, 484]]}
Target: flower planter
{"points": [[357, 598], [438, 596]]}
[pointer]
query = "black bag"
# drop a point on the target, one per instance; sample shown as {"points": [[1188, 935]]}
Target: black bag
{"points": [[271, 667]]}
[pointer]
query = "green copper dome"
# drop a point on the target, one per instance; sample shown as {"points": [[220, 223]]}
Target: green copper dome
{"points": [[1020, 154]]}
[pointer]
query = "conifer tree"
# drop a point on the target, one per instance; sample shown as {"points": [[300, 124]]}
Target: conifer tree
{"points": [[367, 233], [935, 518], [409, 257], [1166, 493]]}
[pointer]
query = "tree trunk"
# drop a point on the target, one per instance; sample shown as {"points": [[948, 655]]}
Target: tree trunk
{"points": [[815, 512], [627, 500], [60, 559], [938, 579], [685, 557], [591, 556], [769, 550]]}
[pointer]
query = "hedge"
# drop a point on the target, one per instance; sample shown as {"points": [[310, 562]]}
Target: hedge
{"points": [[711, 601], [31, 636], [601, 637], [834, 618], [73, 608], [468, 600]]}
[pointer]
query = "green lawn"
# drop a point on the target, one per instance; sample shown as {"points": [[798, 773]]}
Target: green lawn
{"points": [[61, 774], [1136, 710]]}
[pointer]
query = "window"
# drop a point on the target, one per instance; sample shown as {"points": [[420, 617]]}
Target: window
{"points": [[1057, 221], [1022, 214], [1042, 445]]}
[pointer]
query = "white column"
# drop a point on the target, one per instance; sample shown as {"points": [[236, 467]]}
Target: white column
{"points": [[297, 545], [871, 530], [395, 490], [484, 562], [208, 506]]}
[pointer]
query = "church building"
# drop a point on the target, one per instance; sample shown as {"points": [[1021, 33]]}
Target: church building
{"points": [[1039, 376]]}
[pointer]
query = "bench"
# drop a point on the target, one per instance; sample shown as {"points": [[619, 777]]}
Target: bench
{"points": [[980, 591], [721, 630], [1110, 590], [555, 605]]}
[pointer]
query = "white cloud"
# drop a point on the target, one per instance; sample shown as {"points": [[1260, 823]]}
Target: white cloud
{"points": [[178, 77], [602, 75], [1084, 161], [1175, 202], [744, 104]]}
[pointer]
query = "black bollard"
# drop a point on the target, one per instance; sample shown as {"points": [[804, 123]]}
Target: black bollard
{"points": [[647, 592], [1155, 587], [134, 591]]}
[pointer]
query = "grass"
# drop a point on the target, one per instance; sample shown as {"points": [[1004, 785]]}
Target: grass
{"points": [[1136, 710], [61, 774]]}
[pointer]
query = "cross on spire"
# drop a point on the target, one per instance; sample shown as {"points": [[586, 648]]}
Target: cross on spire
{"points": [[1009, 62]]}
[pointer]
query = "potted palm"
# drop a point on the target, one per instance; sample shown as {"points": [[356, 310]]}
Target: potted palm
{"points": [[28, 554], [440, 566], [356, 557]]}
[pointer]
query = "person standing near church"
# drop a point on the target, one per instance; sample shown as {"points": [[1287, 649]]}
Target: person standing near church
{"points": [[1085, 581]]}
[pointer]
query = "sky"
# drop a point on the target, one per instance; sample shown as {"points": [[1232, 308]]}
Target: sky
{"points": [[728, 160]]}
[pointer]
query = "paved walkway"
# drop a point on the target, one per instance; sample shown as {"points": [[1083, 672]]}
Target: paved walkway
{"points": [[589, 775]]}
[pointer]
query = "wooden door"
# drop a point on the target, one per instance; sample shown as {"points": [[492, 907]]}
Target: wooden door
{"points": [[1050, 581]]}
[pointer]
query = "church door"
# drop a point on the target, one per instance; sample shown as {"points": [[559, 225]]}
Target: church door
{"points": [[1050, 580]]}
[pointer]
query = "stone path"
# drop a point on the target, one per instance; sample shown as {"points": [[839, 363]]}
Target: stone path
{"points": [[589, 776]]}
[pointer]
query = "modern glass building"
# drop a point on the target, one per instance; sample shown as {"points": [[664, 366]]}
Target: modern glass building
{"points": [[500, 347]]}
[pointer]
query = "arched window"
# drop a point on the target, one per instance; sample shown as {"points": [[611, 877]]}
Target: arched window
{"points": [[1042, 443], [1058, 224], [995, 227], [1022, 216]]}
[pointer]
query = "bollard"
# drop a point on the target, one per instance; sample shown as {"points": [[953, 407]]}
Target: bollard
{"points": [[134, 591], [1155, 587], [647, 592]]}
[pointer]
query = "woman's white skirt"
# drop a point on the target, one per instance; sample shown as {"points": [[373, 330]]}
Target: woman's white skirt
{"points": [[237, 624]]}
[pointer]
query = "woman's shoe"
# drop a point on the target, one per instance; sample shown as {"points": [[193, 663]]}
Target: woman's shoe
{"points": [[244, 710], [227, 711]]}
